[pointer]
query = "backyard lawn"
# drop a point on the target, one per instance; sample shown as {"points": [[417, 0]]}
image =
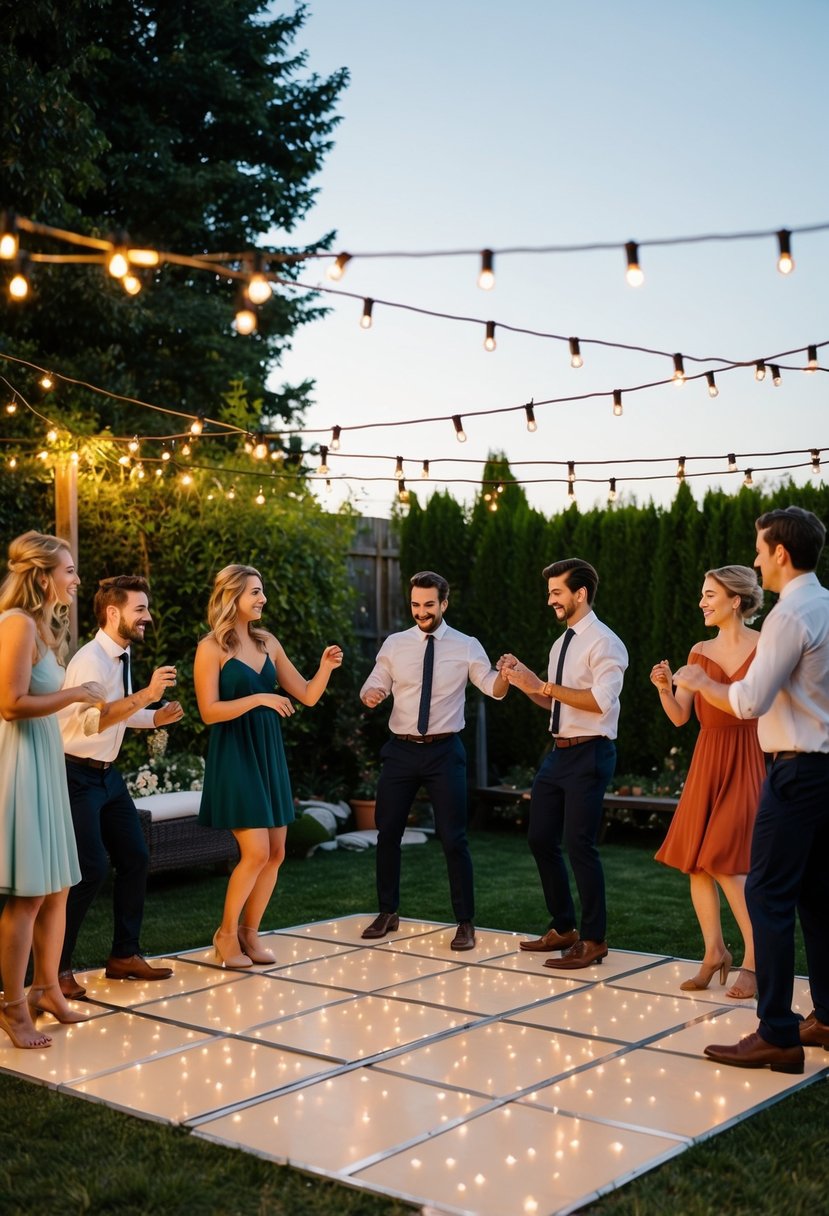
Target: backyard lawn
{"points": [[62, 1154]]}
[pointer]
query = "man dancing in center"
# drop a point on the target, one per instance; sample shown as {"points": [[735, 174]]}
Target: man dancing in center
{"points": [[426, 669], [586, 670]]}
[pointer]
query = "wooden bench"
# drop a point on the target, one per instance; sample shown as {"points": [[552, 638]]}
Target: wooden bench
{"points": [[618, 808]]}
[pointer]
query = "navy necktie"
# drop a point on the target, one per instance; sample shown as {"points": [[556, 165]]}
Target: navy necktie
{"points": [[568, 637], [125, 671], [426, 686]]}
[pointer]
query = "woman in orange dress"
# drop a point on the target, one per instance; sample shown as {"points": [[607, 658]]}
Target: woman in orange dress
{"points": [[710, 833]]}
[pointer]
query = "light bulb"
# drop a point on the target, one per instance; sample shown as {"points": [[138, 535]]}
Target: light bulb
{"points": [[117, 263], [46, 382], [322, 467], [732, 462], [617, 402], [11, 408], [680, 469], [186, 450], [713, 391], [575, 353], [51, 435], [815, 456], [143, 257], [811, 358], [165, 455], [776, 378], [424, 472], [633, 274], [245, 321], [785, 261], [748, 480], [258, 289], [398, 472], [19, 286], [186, 479], [571, 472], [489, 340], [486, 279], [759, 370], [679, 370], [197, 425], [460, 434], [337, 268], [231, 494], [611, 493], [260, 449], [334, 443], [131, 284], [532, 425], [260, 498], [365, 319]]}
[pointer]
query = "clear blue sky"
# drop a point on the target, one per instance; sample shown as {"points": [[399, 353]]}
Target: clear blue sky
{"points": [[477, 124]]}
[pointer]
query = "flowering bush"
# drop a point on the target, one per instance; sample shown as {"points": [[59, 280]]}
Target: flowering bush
{"points": [[664, 782], [161, 774]]}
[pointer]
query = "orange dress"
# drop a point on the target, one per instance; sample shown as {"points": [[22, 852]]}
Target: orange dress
{"points": [[712, 825]]}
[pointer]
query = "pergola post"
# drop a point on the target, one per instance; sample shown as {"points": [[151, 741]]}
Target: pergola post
{"points": [[66, 524]]}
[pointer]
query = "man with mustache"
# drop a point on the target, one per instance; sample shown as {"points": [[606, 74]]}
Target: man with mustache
{"points": [[585, 674], [107, 828], [426, 669]]}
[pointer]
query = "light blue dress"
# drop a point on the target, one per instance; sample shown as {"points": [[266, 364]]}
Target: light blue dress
{"points": [[38, 855]]}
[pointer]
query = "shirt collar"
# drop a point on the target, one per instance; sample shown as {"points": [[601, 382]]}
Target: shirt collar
{"points": [[108, 646], [803, 580], [584, 623], [436, 633]]}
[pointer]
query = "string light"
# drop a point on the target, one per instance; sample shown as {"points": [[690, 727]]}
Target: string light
{"points": [[337, 268], [131, 283], [748, 480], [143, 257], [732, 462], [117, 263], [139, 471], [617, 402], [258, 288], [19, 284], [124, 460], [680, 469], [187, 479], [489, 340], [486, 279], [460, 433], [365, 319], [575, 353], [46, 382], [811, 358], [785, 262], [197, 425], [9, 240], [186, 450], [713, 391], [260, 498], [231, 494], [532, 425], [398, 472], [776, 378], [328, 486], [165, 455], [424, 472], [679, 370], [52, 435], [245, 321], [571, 472], [334, 443], [322, 467], [611, 493], [260, 448], [815, 454], [633, 274], [402, 492], [12, 462], [759, 370], [11, 407]]}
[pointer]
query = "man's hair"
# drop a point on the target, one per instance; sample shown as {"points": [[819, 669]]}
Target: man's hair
{"points": [[800, 533], [428, 578], [577, 573], [115, 591]]}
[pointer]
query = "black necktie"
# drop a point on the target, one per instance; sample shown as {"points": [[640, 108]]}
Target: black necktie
{"points": [[568, 637], [125, 671], [426, 686]]}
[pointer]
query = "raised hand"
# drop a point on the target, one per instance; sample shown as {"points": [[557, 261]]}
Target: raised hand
{"points": [[161, 679], [332, 657], [165, 715], [661, 676]]}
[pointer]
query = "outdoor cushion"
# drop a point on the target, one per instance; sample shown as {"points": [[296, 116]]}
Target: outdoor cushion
{"points": [[175, 805]]}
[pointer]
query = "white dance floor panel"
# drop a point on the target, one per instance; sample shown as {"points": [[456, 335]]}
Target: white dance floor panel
{"points": [[474, 1084]]}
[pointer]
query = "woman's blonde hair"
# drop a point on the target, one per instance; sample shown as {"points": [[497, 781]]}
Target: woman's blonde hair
{"points": [[31, 557], [222, 608], [742, 581]]}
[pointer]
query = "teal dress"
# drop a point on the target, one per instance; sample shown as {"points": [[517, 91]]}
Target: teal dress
{"points": [[246, 782], [38, 855]]}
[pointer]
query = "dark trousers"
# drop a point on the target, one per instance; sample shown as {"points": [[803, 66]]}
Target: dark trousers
{"points": [[441, 769], [566, 807], [790, 872], [106, 829]]}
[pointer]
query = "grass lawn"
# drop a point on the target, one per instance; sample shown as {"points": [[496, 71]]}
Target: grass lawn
{"points": [[63, 1155]]}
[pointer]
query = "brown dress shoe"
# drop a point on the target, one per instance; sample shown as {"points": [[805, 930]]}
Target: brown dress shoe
{"points": [[464, 938], [552, 941], [814, 1033], [752, 1051], [135, 968], [581, 954], [385, 923], [70, 987]]}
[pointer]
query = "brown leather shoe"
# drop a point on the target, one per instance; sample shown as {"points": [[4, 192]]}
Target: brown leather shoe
{"points": [[135, 968], [70, 987], [464, 938], [752, 1051], [385, 923], [814, 1033], [581, 954], [552, 941]]}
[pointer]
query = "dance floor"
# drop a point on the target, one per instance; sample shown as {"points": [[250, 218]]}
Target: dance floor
{"points": [[466, 1083]]}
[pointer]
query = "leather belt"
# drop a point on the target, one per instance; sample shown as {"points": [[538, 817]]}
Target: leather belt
{"points": [[89, 762], [425, 738], [575, 740], [785, 755]]}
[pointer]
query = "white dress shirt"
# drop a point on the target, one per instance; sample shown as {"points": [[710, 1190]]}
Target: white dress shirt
{"points": [[399, 670], [787, 685], [596, 660], [98, 660]]}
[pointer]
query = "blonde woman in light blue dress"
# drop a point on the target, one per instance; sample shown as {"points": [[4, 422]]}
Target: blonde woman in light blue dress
{"points": [[38, 857]]}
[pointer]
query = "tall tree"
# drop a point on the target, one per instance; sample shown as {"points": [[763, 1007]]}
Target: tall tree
{"points": [[196, 128]]}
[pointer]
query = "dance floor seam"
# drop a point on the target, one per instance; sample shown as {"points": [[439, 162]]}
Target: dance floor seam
{"points": [[475, 1084]]}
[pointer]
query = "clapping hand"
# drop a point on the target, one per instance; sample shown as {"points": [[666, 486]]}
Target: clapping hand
{"points": [[661, 676]]}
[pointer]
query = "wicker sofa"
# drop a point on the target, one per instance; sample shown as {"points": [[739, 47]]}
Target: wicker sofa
{"points": [[176, 839]]}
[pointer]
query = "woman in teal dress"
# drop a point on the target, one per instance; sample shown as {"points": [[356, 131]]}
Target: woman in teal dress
{"points": [[38, 857], [246, 785]]}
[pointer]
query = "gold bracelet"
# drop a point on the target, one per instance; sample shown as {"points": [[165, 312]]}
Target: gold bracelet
{"points": [[547, 690]]}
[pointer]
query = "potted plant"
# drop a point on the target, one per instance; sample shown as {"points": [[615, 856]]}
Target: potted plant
{"points": [[364, 795]]}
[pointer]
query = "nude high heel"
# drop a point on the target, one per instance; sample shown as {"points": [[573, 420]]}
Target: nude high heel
{"points": [[706, 973], [225, 954], [745, 986], [36, 1006], [19, 1037], [249, 941]]}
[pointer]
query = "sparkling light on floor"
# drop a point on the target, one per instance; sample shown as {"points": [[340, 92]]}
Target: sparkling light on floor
{"points": [[477, 1083]]}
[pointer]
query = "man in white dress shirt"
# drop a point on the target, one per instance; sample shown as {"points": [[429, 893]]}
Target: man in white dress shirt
{"points": [[787, 689], [585, 673], [426, 669], [106, 822]]}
